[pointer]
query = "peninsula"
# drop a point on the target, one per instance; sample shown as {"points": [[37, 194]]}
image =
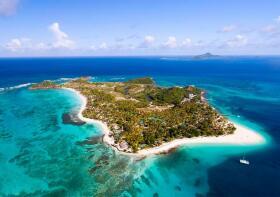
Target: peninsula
{"points": [[140, 117]]}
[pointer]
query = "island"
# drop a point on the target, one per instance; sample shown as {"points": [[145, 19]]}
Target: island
{"points": [[205, 56], [140, 117]]}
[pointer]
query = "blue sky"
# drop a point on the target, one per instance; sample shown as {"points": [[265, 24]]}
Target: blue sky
{"points": [[139, 27]]}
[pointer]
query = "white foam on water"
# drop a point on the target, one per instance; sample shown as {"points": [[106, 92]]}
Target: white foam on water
{"points": [[15, 87], [64, 79], [20, 86]]}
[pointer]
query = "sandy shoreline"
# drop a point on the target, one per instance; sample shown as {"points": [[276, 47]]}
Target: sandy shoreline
{"points": [[241, 136], [104, 127]]}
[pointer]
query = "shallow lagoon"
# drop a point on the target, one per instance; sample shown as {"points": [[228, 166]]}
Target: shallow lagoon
{"points": [[48, 157]]}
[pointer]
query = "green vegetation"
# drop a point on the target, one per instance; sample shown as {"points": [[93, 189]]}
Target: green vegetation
{"points": [[162, 96], [144, 80], [44, 85], [144, 115]]}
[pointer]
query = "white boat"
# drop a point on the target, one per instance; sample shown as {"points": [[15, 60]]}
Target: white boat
{"points": [[244, 161]]}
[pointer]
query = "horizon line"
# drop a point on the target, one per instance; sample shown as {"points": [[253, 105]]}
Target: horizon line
{"points": [[115, 56]]}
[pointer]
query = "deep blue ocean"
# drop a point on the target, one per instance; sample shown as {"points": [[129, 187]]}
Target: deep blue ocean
{"points": [[42, 156]]}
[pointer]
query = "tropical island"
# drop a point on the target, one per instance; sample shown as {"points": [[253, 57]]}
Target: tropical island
{"points": [[139, 115]]}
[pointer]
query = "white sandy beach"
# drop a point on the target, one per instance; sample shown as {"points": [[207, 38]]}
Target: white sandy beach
{"points": [[104, 127], [241, 136]]}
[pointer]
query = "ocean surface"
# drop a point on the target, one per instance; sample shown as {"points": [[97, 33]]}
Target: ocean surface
{"points": [[42, 156]]}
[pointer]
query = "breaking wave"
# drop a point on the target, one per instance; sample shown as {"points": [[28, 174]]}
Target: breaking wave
{"points": [[15, 87]]}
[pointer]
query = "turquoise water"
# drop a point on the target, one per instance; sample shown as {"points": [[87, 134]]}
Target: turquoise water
{"points": [[41, 156]]}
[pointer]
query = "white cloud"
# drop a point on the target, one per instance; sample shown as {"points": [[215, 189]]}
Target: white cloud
{"points": [[14, 45], [149, 39], [103, 45], [278, 19], [8, 7], [187, 42], [25, 44], [228, 28], [61, 38], [237, 41], [171, 42]]}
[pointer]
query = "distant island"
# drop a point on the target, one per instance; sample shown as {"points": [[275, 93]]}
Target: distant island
{"points": [[141, 115], [205, 56]]}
